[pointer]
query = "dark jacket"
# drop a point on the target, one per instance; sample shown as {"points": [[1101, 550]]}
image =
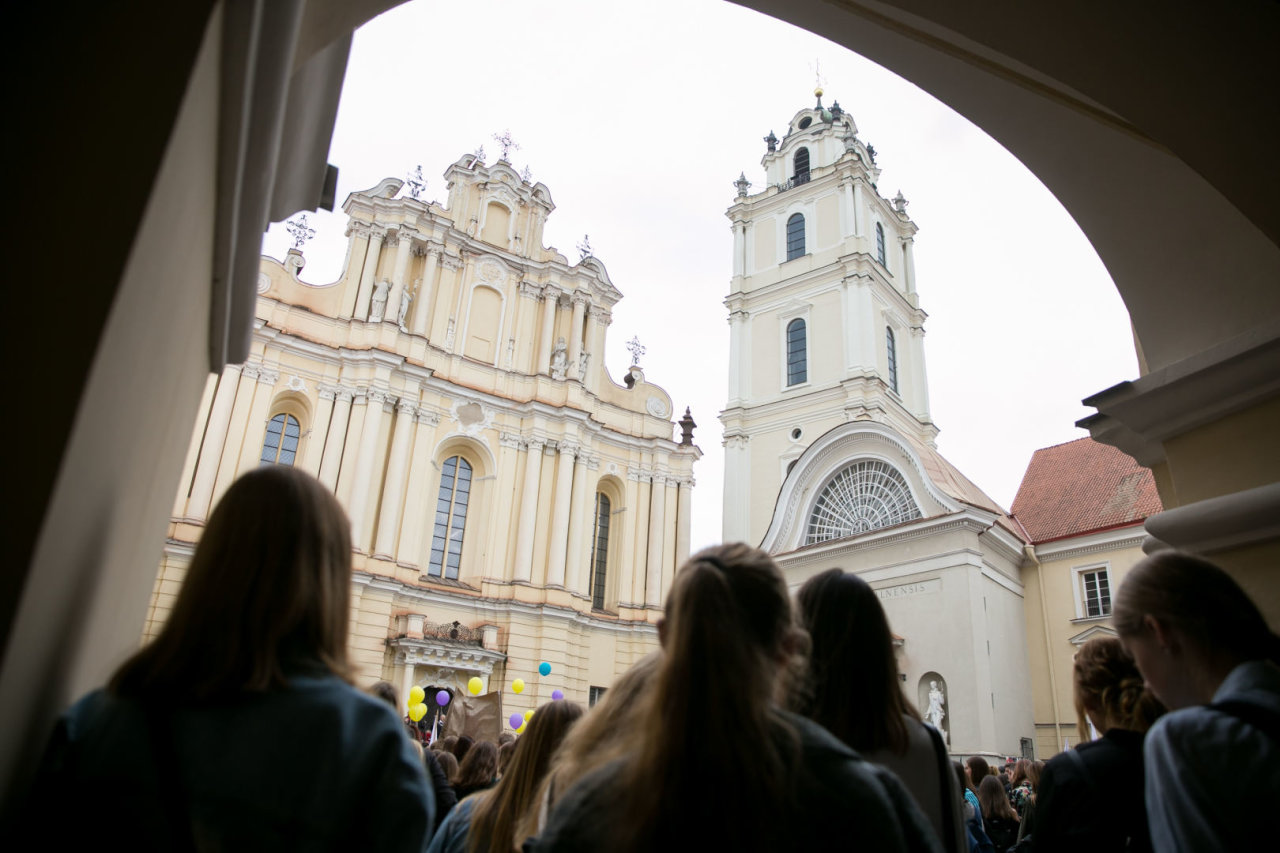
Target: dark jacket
{"points": [[1094, 800]]}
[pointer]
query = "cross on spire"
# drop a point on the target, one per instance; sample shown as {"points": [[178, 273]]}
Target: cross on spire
{"points": [[300, 230], [506, 143], [636, 348]]}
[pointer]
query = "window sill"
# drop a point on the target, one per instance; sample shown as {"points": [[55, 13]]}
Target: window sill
{"points": [[1083, 620]]}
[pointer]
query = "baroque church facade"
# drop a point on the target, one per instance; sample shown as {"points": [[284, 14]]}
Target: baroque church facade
{"points": [[510, 503], [830, 453]]}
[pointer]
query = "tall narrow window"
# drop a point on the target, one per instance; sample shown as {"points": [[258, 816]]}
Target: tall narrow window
{"points": [[280, 444], [1095, 593], [880, 255], [891, 354], [795, 236], [797, 358], [802, 166], [451, 518], [599, 550]]}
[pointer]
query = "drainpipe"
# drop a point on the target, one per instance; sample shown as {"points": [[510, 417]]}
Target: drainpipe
{"points": [[1029, 551]]}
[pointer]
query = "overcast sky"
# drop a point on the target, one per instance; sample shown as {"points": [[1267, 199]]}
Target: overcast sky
{"points": [[638, 119]]}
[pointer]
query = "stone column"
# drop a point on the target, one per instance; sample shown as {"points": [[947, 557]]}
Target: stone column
{"points": [[505, 511], [397, 471], [406, 684], [657, 526], [739, 247], [683, 521], [310, 462], [556, 567], [380, 402], [357, 251], [858, 216], [404, 249], [737, 322], [426, 293], [849, 201], [909, 264], [672, 518], [866, 333], [528, 510], [919, 376], [575, 334], [579, 508], [415, 521], [640, 542], [550, 296], [736, 524], [336, 437], [251, 449], [376, 236], [215, 436]]}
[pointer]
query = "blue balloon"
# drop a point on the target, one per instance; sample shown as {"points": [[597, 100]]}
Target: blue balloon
{"points": [[442, 698], [544, 668], [516, 720], [557, 695]]}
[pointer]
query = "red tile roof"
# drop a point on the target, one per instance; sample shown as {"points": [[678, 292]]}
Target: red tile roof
{"points": [[1081, 487]]}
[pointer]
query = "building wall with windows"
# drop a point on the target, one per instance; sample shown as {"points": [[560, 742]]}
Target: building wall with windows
{"points": [[510, 502], [1083, 505]]}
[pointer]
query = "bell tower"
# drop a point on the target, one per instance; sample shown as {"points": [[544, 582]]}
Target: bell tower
{"points": [[825, 324]]}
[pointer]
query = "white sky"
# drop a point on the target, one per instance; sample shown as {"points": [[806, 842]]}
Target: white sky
{"points": [[638, 120]]}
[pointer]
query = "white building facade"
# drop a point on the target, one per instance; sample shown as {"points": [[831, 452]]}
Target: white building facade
{"points": [[830, 457]]}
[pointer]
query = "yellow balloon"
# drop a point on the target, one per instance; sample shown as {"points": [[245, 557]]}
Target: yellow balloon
{"points": [[417, 712], [518, 685], [528, 715], [520, 730], [416, 695], [475, 685]]}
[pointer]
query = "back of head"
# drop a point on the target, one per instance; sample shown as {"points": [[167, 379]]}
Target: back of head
{"points": [[978, 769], [992, 798], [269, 587], [727, 633], [495, 819], [479, 766], [1107, 681], [853, 691], [1020, 768], [386, 691], [462, 746], [1200, 601], [448, 764]]}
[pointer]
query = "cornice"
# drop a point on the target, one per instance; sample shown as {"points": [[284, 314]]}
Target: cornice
{"points": [[1131, 536]]}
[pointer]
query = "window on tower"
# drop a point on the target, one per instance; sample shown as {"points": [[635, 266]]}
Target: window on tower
{"points": [[880, 255], [801, 163], [451, 518], [891, 355], [600, 550], [797, 353], [280, 444], [795, 236]]}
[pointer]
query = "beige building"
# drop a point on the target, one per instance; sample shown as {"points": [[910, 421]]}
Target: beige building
{"points": [[510, 503], [830, 454], [1082, 505]]}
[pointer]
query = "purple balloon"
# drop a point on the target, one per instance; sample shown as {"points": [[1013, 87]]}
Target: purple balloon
{"points": [[442, 698], [557, 695], [516, 720]]}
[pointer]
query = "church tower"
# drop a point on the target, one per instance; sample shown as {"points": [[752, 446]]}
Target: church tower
{"points": [[825, 324]]}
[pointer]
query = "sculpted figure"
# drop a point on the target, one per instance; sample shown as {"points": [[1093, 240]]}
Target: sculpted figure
{"points": [[935, 713], [379, 301], [559, 361]]}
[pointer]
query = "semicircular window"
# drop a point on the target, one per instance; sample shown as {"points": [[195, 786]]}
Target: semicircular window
{"points": [[864, 496]]}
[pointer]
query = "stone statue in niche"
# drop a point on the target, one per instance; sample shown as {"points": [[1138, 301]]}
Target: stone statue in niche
{"points": [[379, 301], [935, 713], [559, 360], [582, 364], [402, 315]]}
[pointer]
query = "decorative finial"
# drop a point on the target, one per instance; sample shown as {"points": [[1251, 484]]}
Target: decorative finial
{"points": [[415, 183], [300, 229], [900, 203], [526, 175], [818, 81], [742, 184], [771, 141], [871, 152], [686, 428], [507, 144], [636, 349], [584, 248], [479, 155]]}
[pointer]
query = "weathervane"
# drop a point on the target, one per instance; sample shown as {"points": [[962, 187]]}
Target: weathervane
{"points": [[636, 348], [506, 143], [301, 230], [415, 183], [584, 248]]}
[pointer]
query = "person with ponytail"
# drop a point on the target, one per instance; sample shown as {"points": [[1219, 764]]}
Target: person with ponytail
{"points": [[1091, 798], [1206, 651], [713, 763]]}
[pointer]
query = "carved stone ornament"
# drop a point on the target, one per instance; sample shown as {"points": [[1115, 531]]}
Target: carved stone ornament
{"points": [[472, 417], [491, 271], [264, 282], [296, 383], [656, 407]]}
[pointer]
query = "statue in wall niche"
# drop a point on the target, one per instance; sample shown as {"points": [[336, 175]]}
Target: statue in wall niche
{"points": [[582, 364], [402, 315], [935, 713], [559, 360], [379, 301]]}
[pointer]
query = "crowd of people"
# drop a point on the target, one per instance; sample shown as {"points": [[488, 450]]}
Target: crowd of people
{"points": [[762, 723]]}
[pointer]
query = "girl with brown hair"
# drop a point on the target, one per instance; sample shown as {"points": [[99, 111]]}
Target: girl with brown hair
{"points": [[237, 728], [713, 763], [999, 820], [478, 770]]}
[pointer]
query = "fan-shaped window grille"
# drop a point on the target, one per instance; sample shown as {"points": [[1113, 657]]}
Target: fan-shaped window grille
{"points": [[866, 495]]}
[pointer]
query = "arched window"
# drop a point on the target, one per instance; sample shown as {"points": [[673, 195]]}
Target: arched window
{"points": [[795, 236], [891, 356], [599, 550], [802, 166], [451, 518], [880, 256], [280, 444], [866, 495], [797, 349]]}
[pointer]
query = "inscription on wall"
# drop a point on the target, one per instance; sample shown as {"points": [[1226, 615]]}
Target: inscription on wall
{"points": [[908, 589]]}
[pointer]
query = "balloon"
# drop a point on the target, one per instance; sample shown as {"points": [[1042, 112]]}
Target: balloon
{"points": [[520, 730], [528, 715], [544, 668], [417, 712], [475, 685], [518, 685], [442, 698], [557, 695], [516, 721], [416, 695]]}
